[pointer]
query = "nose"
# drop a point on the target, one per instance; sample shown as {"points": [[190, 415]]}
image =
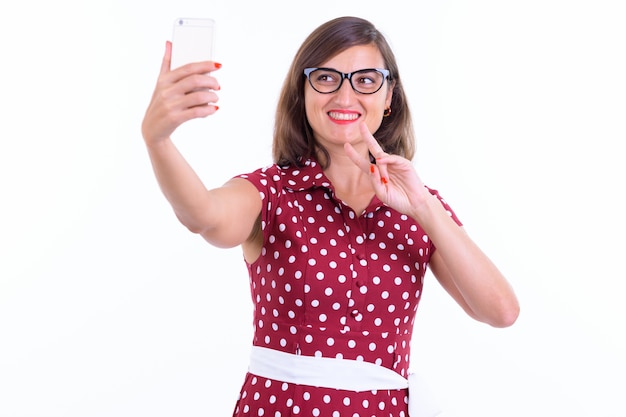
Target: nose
{"points": [[345, 92]]}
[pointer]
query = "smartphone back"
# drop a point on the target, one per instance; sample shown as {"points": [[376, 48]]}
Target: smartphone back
{"points": [[192, 41]]}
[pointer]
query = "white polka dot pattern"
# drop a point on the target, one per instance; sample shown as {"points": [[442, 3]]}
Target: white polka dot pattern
{"points": [[332, 283]]}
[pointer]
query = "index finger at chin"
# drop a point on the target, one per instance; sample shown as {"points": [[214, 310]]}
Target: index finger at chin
{"points": [[372, 143], [369, 138], [354, 156]]}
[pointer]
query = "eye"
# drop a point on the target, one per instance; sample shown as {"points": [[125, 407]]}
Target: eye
{"points": [[368, 77], [367, 81], [326, 77]]}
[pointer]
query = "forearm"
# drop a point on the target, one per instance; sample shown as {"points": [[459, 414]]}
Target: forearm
{"points": [[180, 184], [466, 270]]}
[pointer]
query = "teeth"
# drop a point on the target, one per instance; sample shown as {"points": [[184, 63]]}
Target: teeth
{"points": [[343, 116]]}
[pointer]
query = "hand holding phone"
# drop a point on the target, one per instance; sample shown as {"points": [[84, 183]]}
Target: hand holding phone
{"points": [[192, 41]]}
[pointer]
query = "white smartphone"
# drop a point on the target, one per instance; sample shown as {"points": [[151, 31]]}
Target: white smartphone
{"points": [[192, 41]]}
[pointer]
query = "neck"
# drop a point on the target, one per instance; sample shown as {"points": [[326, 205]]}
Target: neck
{"points": [[346, 177]]}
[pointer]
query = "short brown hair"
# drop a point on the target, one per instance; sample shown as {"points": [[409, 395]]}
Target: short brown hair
{"points": [[293, 136]]}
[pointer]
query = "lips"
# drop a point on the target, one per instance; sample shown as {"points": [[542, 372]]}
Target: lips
{"points": [[343, 116]]}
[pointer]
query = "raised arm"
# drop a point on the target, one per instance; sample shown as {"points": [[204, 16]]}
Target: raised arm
{"points": [[224, 216], [461, 267]]}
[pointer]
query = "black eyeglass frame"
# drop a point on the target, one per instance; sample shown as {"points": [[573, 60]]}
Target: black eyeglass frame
{"points": [[348, 76]]}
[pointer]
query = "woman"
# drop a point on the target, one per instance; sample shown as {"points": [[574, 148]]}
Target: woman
{"points": [[337, 233]]}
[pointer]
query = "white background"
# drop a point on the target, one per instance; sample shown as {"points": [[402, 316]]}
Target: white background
{"points": [[109, 307]]}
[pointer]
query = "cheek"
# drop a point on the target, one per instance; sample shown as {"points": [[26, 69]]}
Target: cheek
{"points": [[375, 114], [377, 108], [389, 96], [309, 111], [312, 106]]}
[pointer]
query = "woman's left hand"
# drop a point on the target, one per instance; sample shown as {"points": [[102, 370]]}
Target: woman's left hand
{"points": [[393, 177], [458, 263]]}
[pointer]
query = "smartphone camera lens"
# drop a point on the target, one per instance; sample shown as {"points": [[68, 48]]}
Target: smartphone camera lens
{"points": [[180, 22]]}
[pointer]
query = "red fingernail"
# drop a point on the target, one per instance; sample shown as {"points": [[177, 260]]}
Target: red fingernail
{"points": [[217, 65], [216, 108], [372, 169], [383, 180]]}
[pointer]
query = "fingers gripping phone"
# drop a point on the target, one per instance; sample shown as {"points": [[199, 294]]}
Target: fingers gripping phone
{"points": [[192, 41]]}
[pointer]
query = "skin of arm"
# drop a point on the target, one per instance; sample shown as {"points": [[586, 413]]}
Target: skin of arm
{"points": [[464, 271], [223, 216], [461, 267]]}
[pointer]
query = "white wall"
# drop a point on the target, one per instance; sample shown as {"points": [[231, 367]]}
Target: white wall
{"points": [[109, 307]]}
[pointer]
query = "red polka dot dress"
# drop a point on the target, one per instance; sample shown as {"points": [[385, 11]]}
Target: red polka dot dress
{"points": [[332, 283]]}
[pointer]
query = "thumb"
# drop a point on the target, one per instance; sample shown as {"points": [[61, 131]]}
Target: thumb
{"points": [[167, 58]]}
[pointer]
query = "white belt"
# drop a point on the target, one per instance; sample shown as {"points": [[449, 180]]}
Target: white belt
{"points": [[343, 374]]}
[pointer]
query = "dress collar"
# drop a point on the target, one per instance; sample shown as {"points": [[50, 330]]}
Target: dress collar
{"points": [[310, 176]]}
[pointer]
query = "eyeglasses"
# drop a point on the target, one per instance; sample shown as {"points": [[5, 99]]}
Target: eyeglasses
{"points": [[329, 80]]}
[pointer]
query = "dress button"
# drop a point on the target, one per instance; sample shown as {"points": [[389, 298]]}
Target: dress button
{"points": [[359, 283], [354, 313]]}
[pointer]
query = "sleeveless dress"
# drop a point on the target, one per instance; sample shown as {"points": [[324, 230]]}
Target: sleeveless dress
{"points": [[333, 283]]}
